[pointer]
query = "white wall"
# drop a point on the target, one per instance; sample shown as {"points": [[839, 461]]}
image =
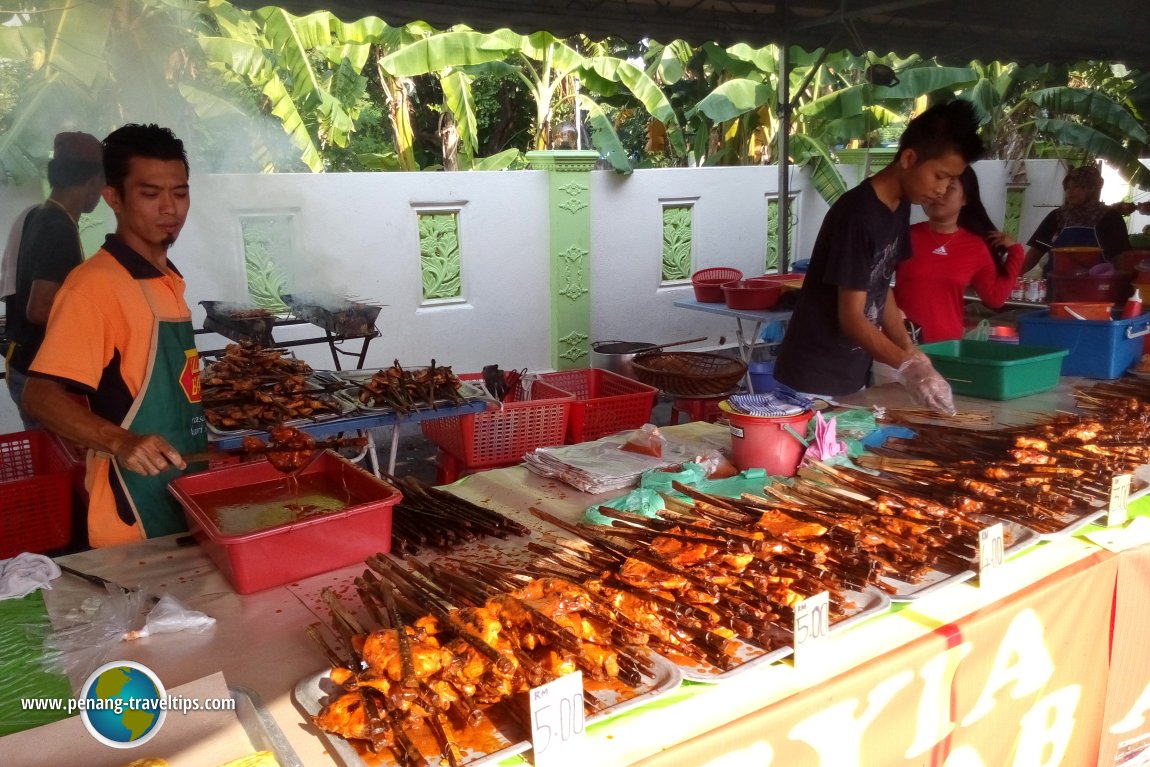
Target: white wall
{"points": [[629, 302], [356, 235]]}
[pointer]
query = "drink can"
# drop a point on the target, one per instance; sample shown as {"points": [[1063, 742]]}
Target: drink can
{"points": [[1042, 290], [1031, 290], [1019, 290]]}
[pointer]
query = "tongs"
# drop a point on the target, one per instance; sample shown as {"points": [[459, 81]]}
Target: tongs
{"points": [[96, 580]]}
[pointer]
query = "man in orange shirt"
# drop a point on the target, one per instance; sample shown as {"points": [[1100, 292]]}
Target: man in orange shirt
{"points": [[121, 333]]}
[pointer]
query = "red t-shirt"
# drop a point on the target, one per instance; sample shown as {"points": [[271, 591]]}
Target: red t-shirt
{"points": [[929, 285]]}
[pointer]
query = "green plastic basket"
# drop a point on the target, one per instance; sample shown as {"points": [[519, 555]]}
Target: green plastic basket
{"points": [[992, 370]]}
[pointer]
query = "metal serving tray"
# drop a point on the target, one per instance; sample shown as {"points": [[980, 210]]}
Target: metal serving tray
{"points": [[315, 381], [311, 692], [1020, 537], [868, 603], [349, 394]]}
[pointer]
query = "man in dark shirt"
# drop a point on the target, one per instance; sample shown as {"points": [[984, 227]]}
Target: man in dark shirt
{"points": [[50, 248], [846, 316]]}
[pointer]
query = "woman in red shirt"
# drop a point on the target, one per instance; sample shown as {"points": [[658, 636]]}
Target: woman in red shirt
{"points": [[951, 250]]}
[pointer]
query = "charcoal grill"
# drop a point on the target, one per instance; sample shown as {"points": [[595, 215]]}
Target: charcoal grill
{"points": [[340, 317], [239, 322]]}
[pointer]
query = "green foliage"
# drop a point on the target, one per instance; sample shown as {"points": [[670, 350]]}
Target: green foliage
{"points": [[362, 95]]}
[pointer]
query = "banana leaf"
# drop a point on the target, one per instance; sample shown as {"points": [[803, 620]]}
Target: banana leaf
{"points": [[809, 153], [606, 139], [1098, 144], [734, 98], [457, 97], [447, 49], [1094, 106], [500, 161], [20, 43], [643, 88]]}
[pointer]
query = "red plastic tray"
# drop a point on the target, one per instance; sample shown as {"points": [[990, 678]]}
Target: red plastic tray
{"points": [[35, 493], [605, 402], [277, 555]]}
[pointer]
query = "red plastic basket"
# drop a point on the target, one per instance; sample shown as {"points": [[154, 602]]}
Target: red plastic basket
{"points": [[605, 402], [35, 494], [708, 283], [500, 436]]}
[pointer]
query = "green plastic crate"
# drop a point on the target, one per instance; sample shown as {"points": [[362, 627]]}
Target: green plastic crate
{"points": [[992, 370]]}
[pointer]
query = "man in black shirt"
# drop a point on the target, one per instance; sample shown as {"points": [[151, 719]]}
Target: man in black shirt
{"points": [[846, 316], [50, 248]]}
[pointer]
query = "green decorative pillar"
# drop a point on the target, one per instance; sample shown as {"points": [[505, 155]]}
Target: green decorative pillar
{"points": [[569, 212]]}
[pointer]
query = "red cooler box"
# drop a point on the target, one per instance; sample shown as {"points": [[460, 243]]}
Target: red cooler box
{"points": [[274, 554]]}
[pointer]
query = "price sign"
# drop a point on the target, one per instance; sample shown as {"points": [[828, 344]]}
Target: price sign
{"points": [[812, 623], [1119, 497], [557, 721], [991, 551]]}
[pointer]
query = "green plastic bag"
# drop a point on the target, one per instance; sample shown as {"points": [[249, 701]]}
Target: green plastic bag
{"points": [[980, 332]]}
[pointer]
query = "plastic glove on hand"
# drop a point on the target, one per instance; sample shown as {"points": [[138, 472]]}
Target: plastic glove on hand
{"points": [[926, 387]]}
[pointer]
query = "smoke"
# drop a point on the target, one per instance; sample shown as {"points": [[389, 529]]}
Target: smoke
{"points": [[140, 62]]}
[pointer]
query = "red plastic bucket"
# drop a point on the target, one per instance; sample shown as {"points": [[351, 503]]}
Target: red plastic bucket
{"points": [[765, 443]]}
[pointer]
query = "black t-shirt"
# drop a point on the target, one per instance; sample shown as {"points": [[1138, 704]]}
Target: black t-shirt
{"points": [[49, 249], [860, 243]]}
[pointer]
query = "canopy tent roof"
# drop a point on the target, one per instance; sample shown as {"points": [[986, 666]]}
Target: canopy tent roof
{"points": [[954, 31]]}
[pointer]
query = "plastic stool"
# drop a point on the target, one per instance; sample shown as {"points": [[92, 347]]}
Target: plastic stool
{"points": [[697, 409]]}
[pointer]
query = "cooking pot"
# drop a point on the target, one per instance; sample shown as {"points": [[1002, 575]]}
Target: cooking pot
{"points": [[616, 356]]}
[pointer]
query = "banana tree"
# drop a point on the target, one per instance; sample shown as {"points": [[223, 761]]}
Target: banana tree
{"points": [[543, 64], [66, 46], [1092, 121], [98, 64], [308, 68]]}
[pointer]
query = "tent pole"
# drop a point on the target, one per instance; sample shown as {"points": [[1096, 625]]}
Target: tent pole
{"points": [[784, 203]]}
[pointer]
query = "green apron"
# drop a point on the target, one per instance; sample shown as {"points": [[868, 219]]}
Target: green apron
{"points": [[169, 405]]}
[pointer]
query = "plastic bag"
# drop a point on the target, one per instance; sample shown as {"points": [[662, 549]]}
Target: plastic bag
{"points": [[88, 633], [660, 481], [642, 501], [645, 441], [715, 465], [980, 332]]}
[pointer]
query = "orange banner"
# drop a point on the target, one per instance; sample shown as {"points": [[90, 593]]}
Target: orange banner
{"points": [[1021, 682], [1126, 735]]}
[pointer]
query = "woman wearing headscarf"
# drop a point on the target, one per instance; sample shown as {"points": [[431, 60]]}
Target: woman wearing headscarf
{"points": [[958, 246], [1083, 220]]}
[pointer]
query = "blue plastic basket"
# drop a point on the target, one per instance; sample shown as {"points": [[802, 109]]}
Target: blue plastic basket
{"points": [[1097, 348]]}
